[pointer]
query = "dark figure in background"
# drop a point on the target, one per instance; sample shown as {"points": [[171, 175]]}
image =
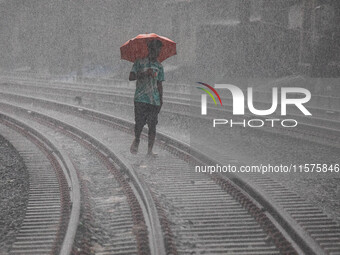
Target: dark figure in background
{"points": [[148, 99], [323, 54]]}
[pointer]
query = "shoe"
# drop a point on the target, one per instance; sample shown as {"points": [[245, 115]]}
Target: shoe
{"points": [[134, 147]]}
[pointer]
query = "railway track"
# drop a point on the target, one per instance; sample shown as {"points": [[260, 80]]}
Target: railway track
{"points": [[328, 136], [50, 228], [206, 214], [52, 210], [327, 116], [175, 121]]}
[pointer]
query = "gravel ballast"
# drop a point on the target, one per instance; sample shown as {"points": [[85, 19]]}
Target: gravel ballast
{"points": [[14, 193]]}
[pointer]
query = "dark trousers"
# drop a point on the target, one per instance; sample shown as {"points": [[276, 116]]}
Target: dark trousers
{"points": [[145, 114]]}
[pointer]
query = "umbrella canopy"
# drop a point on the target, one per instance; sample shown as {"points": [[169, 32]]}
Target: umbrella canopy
{"points": [[137, 47]]}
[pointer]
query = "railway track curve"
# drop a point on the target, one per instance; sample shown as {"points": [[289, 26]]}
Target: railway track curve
{"points": [[185, 153]]}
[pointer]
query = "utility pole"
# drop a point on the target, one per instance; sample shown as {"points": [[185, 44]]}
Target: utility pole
{"points": [[307, 31], [80, 36], [302, 31]]}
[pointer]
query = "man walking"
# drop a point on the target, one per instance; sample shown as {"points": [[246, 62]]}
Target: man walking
{"points": [[148, 99]]}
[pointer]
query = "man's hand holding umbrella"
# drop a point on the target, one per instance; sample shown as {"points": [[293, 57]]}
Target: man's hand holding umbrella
{"points": [[141, 75]]}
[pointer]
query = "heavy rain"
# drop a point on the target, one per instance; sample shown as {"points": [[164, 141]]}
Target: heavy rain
{"points": [[279, 121]]}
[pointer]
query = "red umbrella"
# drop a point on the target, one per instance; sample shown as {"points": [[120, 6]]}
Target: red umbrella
{"points": [[137, 47]]}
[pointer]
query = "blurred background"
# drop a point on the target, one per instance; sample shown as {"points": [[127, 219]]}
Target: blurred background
{"points": [[216, 39]]}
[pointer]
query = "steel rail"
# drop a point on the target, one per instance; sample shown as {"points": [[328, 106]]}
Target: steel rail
{"points": [[188, 152], [166, 141], [141, 190], [71, 177], [307, 130], [128, 92]]}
